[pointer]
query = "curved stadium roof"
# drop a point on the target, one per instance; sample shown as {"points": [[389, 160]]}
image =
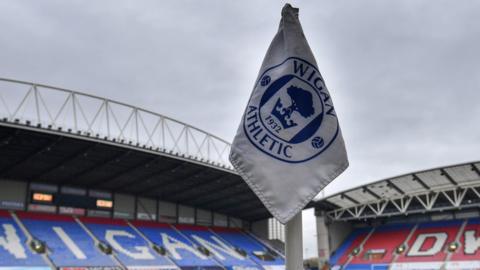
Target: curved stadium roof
{"points": [[64, 137], [443, 188]]}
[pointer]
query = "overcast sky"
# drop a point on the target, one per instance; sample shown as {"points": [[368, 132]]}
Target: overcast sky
{"points": [[404, 75]]}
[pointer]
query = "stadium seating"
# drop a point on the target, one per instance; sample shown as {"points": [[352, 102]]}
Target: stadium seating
{"points": [[251, 246], [341, 255], [68, 244], [426, 253], [380, 247], [426, 246], [104, 243], [130, 248], [180, 248], [14, 251], [468, 251], [223, 251]]}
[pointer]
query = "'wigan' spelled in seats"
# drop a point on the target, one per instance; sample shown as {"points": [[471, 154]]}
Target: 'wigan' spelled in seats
{"points": [[13, 249], [180, 249], [251, 246], [68, 244], [223, 252], [130, 248]]}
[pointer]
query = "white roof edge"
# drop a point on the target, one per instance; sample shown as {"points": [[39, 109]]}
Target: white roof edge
{"points": [[394, 177]]}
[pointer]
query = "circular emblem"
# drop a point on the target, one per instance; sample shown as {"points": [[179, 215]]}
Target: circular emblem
{"points": [[265, 80], [317, 142], [290, 115]]}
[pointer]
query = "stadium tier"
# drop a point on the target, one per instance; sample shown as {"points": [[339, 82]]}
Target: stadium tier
{"points": [[250, 246], [15, 252], [221, 250], [131, 249], [69, 245], [182, 251], [44, 241], [450, 244], [77, 191]]}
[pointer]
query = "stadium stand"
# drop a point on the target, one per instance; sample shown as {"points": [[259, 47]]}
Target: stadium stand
{"points": [[222, 251], [82, 163], [380, 246], [342, 255], [72, 243], [429, 241], [251, 246], [130, 248], [67, 243], [13, 249], [447, 244], [470, 251], [468, 254], [181, 250]]}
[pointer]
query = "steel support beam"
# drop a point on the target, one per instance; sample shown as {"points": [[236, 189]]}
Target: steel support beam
{"points": [[455, 196], [373, 194], [420, 181], [395, 187], [345, 196], [449, 177], [475, 169], [91, 116]]}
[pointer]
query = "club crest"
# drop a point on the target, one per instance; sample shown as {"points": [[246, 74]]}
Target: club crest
{"points": [[290, 116]]}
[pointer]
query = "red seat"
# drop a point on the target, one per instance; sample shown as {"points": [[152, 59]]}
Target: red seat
{"points": [[387, 238], [450, 229], [462, 254]]}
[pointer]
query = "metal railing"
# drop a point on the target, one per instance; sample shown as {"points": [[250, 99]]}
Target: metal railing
{"points": [[66, 111]]}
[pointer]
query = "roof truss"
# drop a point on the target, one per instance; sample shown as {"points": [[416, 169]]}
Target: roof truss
{"points": [[454, 196]]}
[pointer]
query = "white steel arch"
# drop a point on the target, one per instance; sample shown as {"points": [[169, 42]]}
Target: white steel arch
{"points": [[72, 113]]}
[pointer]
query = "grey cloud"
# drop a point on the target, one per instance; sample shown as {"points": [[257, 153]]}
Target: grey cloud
{"points": [[404, 75]]}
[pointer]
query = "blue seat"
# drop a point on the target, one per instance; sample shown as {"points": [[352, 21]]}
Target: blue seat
{"points": [[250, 245], [130, 248], [223, 251], [53, 228], [14, 250], [181, 250]]}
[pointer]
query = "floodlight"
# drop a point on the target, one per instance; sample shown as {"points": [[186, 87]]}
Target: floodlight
{"points": [[203, 250], [105, 248], [453, 247], [356, 251], [159, 249], [38, 246], [400, 249]]}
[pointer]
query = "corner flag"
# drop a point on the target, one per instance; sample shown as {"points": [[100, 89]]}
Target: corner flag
{"points": [[289, 146]]}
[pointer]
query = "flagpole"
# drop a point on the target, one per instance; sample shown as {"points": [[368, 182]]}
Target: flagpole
{"points": [[294, 243]]}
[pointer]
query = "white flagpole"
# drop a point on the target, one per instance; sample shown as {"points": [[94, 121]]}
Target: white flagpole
{"points": [[294, 243]]}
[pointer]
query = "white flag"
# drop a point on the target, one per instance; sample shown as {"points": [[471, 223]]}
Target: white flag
{"points": [[289, 146]]}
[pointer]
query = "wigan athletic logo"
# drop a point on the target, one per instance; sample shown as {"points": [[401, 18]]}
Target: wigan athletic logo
{"points": [[291, 116]]}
